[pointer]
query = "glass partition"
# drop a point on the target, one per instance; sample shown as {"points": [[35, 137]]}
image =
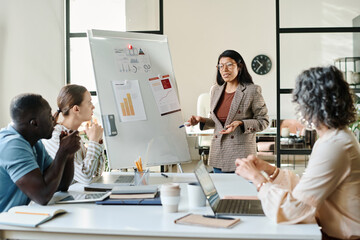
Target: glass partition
{"points": [[299, 51], [95, 14], [319, 13]]}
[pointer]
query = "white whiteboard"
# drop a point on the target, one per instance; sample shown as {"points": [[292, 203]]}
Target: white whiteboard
{"points": [[158, 139]]}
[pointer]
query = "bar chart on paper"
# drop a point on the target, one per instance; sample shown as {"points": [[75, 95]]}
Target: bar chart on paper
{"points": [[127, 107], [129, 101]]}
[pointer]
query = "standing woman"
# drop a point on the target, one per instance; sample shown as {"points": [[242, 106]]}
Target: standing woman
{"points": [[74, 102], [238, 111]]}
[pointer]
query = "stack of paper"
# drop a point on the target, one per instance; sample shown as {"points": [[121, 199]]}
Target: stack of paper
{"points": [[134, 192]]}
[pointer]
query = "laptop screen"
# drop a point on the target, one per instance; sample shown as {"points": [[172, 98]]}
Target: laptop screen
{"points": [[207, 185]]}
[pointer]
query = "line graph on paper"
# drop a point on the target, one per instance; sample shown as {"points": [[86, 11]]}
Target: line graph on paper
{"points": [[164, 94], [164, 98]]}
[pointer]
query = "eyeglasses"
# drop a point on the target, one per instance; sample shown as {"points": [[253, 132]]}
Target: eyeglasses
{"points": [[229, 66]]}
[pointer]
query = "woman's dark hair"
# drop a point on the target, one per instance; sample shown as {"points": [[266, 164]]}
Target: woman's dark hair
{"points": [[324, 97], [69, 96], [243, 76]]}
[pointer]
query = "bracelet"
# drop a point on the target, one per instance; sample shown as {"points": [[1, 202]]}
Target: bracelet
{"points": [[274, 174], [258, 187]]}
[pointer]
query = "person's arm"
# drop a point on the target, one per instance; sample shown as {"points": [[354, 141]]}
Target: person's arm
{"points": [[260, 120], [86, 168], [277, 195], [68, 174], [204, 123], [327, 168], [41, 187], [232, 126]]}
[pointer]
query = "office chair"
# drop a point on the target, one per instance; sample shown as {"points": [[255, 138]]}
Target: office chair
{"points": [[203, 109]]}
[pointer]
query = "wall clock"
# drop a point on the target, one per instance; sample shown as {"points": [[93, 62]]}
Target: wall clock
{"points": [[261, 64]]}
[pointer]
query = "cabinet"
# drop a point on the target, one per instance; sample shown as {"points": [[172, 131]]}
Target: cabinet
{"points": [[350, 66]]}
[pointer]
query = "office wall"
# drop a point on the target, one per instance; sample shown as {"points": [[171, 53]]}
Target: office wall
{"points": [[32, 44], [31, 50], [200, 30]]}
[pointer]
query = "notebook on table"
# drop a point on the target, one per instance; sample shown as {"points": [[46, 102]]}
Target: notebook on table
{"points": [[225, 206], [138, 192], [144, 201]]}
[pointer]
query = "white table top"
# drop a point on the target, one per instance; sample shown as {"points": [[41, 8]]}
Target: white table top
{"points": [[194, 131], [151, 222]]}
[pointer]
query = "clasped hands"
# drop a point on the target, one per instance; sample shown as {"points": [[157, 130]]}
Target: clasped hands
{"points": [[94, 132], [250, 168], [69, 142]]}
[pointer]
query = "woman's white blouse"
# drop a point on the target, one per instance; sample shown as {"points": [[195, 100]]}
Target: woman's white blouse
{"points": [[88, 161]]}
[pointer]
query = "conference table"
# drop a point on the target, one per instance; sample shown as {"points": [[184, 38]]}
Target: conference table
{"points": [[90, 221]]}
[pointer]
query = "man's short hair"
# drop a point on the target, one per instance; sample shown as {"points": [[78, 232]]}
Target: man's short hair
{"points": [[24, 105]]}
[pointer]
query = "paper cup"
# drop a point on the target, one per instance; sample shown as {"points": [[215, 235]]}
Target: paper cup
{"points": [[196, 196], [170, 197]]}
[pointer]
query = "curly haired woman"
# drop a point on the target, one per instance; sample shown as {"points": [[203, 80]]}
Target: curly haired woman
{"points": [[329, 190]]}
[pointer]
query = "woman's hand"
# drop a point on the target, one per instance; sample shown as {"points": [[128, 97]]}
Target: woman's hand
{"points": [[193, 120], [231, 127], [260, 164], [94, 132], [247, 169]]}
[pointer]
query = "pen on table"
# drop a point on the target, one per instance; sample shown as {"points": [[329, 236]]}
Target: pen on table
{"points": [[32, 213], [164, 175], [185, 124], [218, 217]]}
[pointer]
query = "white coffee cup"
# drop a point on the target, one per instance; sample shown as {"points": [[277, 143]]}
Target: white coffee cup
{"points": [[195, 195], [170, 197], [285, 132]]}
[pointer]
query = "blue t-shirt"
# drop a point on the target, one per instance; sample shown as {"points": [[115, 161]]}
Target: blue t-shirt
{"points": [[17, 158]]}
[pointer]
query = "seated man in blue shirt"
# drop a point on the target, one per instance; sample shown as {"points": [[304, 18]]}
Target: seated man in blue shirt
{"points": [[27, 172]]}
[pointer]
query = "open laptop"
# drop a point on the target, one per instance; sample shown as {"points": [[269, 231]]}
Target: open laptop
{"points": [[107, 181], [79, 197], [225, 206]]}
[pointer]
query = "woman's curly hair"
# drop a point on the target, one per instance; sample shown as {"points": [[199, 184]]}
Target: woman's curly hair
{"points": [[324, 97]]}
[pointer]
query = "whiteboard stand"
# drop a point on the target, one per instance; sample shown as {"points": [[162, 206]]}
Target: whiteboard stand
{"points": [[138, 100], [180, 168]]}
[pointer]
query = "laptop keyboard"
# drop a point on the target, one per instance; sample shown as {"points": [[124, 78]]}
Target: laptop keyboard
{"points": [[233, 206], [94, 195], [239, 207], [125, 179]]}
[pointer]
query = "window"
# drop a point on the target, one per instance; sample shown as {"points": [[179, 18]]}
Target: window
{"points": [[116, 15], [329, 31]]}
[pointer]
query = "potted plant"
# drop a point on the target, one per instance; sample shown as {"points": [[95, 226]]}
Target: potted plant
{"points": [[355, 127]]}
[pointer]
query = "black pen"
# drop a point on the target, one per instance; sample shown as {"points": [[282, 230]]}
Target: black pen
{"points": [[187, 124], [218, 217], [164, 175]]}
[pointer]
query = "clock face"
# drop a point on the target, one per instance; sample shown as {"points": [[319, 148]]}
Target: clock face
{"points": [[261, 64]]}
